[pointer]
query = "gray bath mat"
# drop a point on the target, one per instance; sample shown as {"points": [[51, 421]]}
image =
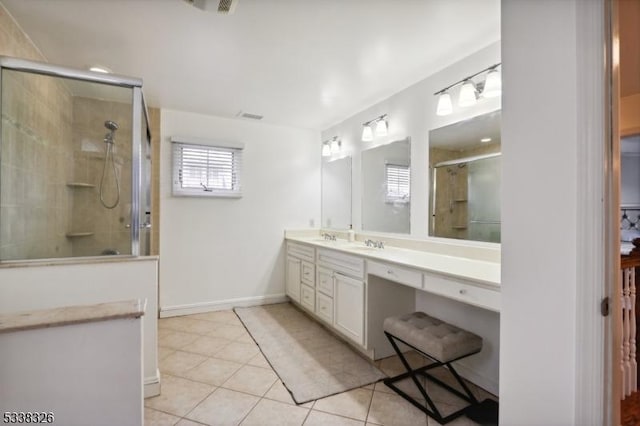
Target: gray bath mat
{"points": [[309, 360]]}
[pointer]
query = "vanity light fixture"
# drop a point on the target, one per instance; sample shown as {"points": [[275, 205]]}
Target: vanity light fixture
{"points": [[445, 107], [336, 144], [326, 149], [490, 87], [382, 128], [331, 146], [492, 84], [468, 94], [367, 133]]}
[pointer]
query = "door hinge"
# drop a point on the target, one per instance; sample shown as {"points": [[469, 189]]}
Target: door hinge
{"points": [[604, 307]]}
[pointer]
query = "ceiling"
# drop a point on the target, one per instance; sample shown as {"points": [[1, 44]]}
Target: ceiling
{"points": [[301, 63]]}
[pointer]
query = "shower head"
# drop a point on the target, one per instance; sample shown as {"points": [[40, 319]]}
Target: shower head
{"points": [[111, 125]]}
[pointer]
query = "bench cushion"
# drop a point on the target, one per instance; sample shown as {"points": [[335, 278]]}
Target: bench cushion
{"points": [[441, 341]]}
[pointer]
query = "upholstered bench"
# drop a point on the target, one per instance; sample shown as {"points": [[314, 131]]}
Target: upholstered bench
{"points": [[439, 341]]}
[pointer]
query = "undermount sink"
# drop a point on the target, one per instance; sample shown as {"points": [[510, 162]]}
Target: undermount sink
{"points": [[363, 248]]}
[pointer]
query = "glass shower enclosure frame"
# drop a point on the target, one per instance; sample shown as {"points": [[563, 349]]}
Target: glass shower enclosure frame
{"points": [[137, 149]]}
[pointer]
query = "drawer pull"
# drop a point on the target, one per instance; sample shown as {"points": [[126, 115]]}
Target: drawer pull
{"points": [[390, 271], [463, 291], [306, 273]]}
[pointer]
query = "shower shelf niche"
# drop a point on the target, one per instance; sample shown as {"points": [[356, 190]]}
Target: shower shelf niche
{"points": [[459, 227], [80, 185], [460, 200], [78, 234]]}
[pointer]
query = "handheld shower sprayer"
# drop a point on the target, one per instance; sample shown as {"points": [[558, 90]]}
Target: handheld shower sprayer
{"points": [[109, 140]]}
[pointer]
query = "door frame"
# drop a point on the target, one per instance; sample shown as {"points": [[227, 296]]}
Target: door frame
{"points": [[597, 385]]}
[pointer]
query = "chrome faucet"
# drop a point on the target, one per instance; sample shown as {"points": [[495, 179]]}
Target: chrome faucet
{"points": [[375, 244], [329, 237]]}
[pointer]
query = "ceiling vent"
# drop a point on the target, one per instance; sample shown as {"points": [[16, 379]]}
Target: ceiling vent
{"points": [[249, 116], [223, 7]]}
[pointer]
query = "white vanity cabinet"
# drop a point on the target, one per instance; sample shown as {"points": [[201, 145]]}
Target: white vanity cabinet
{"points": [[349, 307], [300, 274], [340, 293]]}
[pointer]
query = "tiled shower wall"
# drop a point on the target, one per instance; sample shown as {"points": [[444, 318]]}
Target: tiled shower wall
{"points": [[36, 146], [109, 228], [451, 212]]}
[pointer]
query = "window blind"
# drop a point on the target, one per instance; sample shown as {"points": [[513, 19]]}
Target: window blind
{"points": [[398, 183], [206, 170]]}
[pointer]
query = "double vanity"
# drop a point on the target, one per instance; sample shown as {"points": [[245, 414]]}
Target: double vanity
{"points": [[351, 287]]}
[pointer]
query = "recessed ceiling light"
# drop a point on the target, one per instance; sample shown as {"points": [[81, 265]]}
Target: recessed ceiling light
{"points": [[485, 140], [100, 69]]}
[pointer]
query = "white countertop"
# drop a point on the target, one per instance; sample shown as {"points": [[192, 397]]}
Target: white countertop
{"points": [[481, 271], [68, 315]]}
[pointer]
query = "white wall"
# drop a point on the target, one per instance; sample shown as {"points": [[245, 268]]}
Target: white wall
{"points": [[217, 253], [68, 284], [539, 211], [88, 373], [412, 112]]}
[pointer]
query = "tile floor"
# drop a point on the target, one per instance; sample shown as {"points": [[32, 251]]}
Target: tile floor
{"points": [[214, 374]]}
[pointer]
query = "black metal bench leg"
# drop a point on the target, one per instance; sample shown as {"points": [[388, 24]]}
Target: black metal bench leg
{"points": [[431, 410], [389, 382]]}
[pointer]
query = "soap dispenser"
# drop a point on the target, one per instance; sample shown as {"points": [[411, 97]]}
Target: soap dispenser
{"points": [[352, 235]]}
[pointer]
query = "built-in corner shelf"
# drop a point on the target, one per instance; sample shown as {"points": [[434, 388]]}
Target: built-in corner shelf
{"points": [[78, 234], [80, 185]]}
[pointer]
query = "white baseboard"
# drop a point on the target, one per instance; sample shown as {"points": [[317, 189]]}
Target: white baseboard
{"points": [[220, 305], [152, 385]]}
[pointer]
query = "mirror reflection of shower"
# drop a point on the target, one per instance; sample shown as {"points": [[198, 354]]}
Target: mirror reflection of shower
{"points": [[109, 140]]}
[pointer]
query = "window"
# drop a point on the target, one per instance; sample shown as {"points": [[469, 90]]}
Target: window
{"points": [[206, 169], [398, 183]]}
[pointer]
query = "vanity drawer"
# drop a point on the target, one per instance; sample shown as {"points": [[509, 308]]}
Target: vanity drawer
{"points": [[467, 293], [308, 273], [324, 307], [301, 251], [325, 281], [395, 273], [308, 297], [348, 265]]}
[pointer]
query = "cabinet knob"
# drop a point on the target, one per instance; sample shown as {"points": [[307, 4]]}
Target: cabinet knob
{"points": [[390, 271], [463, 291]]}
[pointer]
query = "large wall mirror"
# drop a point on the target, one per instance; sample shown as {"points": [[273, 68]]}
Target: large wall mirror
{"points": [[386, 189], [465, 165], [336, 193]]}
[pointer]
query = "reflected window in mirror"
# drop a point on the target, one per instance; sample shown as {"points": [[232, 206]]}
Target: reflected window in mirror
{"points": [[386, 193], [336, 193], [465, 164]]}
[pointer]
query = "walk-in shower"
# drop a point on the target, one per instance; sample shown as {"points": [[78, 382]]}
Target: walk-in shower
{"points": [[68, 189]]}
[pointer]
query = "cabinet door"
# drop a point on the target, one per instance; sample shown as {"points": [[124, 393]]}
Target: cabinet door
{"points": [[325, 281], [308, 297], [349, 307], [308, 274], [293, 278]]}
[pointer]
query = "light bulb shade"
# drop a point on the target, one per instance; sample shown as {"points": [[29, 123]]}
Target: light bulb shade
{"points": [[381, 128], [335, 146], [367, 133], [492, 84], [326, 150], [467, 94], [445, 107]]}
